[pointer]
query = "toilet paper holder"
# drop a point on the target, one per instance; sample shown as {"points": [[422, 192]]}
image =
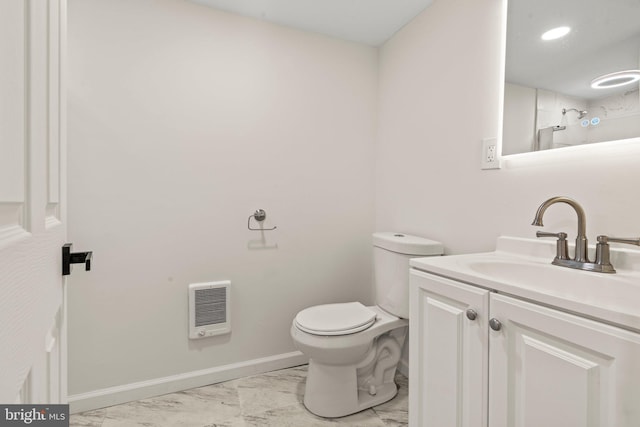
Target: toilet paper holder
{"points": [[259, 215]]}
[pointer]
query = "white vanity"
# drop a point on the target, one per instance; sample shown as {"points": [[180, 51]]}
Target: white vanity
{"points": [[505, 339]]}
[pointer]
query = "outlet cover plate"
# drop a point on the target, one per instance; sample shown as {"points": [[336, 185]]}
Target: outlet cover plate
{"points": [[490, 157]]}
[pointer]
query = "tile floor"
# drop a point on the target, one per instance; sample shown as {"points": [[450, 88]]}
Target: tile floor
{"points": [[271, 399]]}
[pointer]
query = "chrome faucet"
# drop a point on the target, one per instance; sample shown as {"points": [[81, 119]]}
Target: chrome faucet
{"points": [[581, 238], [581, 261]]}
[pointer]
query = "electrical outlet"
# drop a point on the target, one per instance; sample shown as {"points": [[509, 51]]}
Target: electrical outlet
{"points": [[490, 158]]}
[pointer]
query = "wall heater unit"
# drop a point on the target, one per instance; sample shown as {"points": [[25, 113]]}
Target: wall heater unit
{"points": [[209, 309]]}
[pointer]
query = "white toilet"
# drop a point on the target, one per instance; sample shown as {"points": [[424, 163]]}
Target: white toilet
{"points": [[354, 350]]}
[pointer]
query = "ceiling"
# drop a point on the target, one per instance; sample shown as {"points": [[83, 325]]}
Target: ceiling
{"points": [[371, 22], [605, 34]]}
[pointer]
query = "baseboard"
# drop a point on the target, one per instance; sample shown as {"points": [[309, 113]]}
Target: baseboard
{"points": [[159, 386]]}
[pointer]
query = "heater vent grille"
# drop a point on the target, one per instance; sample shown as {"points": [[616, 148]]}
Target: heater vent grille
{"points": [[209, 309], [211, 306]]}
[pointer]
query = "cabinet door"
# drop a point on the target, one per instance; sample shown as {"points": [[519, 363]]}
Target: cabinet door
{"points": [[447, 353], [553, 369]]}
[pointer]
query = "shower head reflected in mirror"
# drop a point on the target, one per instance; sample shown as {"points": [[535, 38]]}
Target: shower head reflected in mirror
{"points": [[581, 113]]}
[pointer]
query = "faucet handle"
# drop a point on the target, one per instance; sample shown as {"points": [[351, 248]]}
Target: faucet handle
{"points": [[627, 240], [561, 235], [603, 259], [562, 249]]}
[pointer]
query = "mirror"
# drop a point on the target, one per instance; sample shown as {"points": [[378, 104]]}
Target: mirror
{"points": [[549, 101]]}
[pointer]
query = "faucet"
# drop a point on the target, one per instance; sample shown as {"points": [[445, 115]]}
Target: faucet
{"points": [[581, 238], [581, 261]]}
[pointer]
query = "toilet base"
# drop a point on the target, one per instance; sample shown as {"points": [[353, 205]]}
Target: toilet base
{"points": [[332, 391]]}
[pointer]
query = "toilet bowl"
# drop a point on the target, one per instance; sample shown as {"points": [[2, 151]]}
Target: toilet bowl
{"points": [[342, 377], [354, 349]]}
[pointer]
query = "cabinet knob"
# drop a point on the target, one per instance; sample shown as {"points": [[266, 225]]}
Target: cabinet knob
{"points": [[471, 314], [495, 324]]}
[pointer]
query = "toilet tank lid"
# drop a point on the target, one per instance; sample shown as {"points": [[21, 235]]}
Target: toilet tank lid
{"points": [[407, 244]]}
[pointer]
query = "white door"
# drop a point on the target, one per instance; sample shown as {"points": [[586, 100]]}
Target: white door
{"points": [[447, 353], [32, 196], [553, 369]]}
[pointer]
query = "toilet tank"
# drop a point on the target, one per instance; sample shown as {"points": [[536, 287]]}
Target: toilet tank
{"points": [[391, 254]]}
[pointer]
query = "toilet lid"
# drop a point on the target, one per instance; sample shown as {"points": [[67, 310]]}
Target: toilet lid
{"points": [[335, 319]]}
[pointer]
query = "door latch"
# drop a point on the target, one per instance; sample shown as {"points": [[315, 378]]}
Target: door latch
{"points": [[69, 258]]}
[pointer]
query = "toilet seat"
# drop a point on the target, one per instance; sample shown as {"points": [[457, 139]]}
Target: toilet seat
{"points": [[335, 319]]}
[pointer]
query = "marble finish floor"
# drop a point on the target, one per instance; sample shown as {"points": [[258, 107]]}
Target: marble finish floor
{"points": [[271, 399]]}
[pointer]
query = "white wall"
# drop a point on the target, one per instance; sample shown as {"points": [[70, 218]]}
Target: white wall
{"points": [[439, 96], [183, 121], [519, 125]]}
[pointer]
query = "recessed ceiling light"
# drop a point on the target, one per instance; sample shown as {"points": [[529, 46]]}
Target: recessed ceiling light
{"points": [[555, 33], [619, 78]]}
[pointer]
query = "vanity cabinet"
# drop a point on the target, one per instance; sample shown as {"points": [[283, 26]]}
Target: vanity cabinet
{"points": [[448, 357], [479, 358]]}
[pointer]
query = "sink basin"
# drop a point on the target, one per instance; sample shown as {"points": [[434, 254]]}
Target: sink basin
{"points": [[512, 271], [519, 270], [591, 287], [537, 273]]}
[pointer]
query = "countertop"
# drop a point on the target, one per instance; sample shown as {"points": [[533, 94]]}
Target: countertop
{"points": [[522, 268]]}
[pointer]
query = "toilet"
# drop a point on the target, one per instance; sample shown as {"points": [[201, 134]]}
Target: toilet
{"points": [[353, 349]]}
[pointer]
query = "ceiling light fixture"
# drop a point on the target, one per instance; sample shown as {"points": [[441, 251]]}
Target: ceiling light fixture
{"points": [[619, 78], [555, 33]]}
